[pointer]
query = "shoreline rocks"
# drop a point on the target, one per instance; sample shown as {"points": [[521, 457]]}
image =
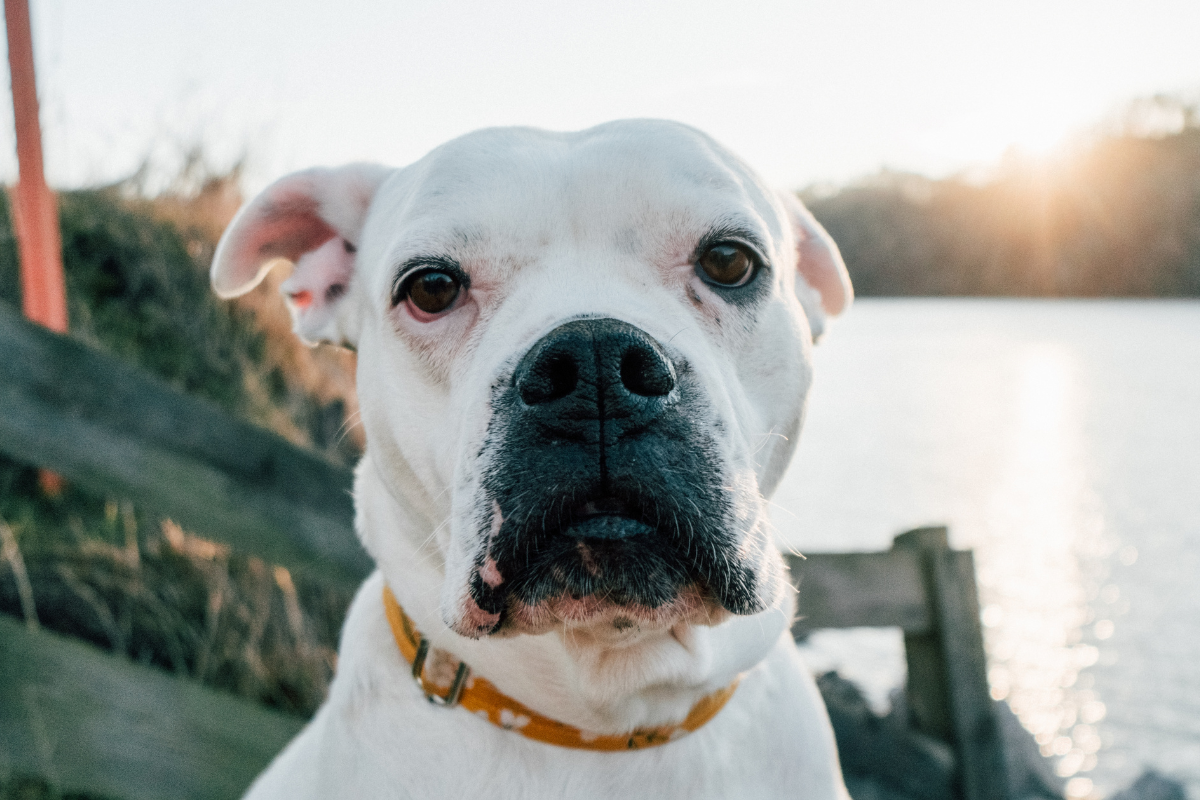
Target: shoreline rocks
{"points": [[885, 759]]}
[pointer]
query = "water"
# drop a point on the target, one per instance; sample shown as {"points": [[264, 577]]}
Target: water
{"points": [[1061, 441]]}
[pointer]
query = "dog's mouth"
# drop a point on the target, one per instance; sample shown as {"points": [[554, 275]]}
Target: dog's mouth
{"points": [[606, 519], [604, 560]]}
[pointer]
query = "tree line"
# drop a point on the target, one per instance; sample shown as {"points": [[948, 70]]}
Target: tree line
{"points": [[1119, 217]]}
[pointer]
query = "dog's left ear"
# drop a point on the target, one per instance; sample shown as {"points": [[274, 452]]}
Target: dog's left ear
{"points": [[820, 265], [313, 219]]}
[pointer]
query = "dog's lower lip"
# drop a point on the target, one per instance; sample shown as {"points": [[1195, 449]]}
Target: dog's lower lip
{"points": [[605, 518], [607, 526], [603, 507]]}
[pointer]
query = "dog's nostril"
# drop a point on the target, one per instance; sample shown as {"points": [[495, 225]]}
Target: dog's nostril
{"points": [[646, 372], [600, 364], [553, 376]]}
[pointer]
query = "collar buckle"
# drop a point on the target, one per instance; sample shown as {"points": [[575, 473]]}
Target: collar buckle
{"points": [[456, 686]]}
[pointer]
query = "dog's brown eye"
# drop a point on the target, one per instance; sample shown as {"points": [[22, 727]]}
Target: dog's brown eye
{"points": [[433, 291], [727, 265]]}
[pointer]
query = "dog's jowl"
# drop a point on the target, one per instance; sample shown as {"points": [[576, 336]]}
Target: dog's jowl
{"points": [[582, 364]]}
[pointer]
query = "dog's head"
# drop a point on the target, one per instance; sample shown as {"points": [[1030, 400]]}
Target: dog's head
{"points": [[583, 359]]}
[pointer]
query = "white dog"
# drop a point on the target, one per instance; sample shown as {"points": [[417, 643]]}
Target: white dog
{"points": [[582, 364]]}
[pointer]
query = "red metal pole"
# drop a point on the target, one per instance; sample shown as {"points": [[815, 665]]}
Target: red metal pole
{"points": [[34, 210]]}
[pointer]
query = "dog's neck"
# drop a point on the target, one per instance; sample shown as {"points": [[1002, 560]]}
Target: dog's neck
{"points": [[601, 680]]}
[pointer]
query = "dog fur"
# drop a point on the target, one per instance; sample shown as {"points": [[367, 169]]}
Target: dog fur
{"points": [[551, 228]]}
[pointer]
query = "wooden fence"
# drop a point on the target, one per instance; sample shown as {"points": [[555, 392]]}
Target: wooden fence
{"points": [[110, 427], [90, 721], [928, 591]]}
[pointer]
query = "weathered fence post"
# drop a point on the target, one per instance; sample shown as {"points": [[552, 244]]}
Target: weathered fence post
{"points": [[947, 686]]}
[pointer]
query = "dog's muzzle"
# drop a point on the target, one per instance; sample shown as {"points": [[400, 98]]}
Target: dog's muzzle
{"points": [[596, 383], [606, 489]]}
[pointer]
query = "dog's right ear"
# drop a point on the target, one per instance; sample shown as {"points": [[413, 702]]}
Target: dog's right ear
{"points": [[313, 219], [821, 268]]}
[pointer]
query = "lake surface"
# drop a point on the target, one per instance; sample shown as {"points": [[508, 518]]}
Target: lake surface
{"points": [[1061, 441]]}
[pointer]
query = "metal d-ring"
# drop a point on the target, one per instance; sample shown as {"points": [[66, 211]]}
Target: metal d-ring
{"points": [[456, 686]]}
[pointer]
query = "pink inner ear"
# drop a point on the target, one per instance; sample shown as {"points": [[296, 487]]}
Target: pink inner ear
{"points": [[283, 223], [288, 230], [821, 267]]}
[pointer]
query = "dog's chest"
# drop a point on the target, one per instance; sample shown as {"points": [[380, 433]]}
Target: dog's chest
{"points": [[378, 738]]}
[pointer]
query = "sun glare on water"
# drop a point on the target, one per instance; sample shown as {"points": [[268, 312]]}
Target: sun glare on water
{"points": [[1035, 569]]}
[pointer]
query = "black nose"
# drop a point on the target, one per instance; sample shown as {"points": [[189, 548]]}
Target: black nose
{"points": [[595, 369]]}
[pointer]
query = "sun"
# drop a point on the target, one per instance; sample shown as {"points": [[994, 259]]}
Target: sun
{"points": [[1040, 137], [986, 136]]}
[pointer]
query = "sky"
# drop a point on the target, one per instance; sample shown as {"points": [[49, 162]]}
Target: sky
{"points": [[806, 92]]}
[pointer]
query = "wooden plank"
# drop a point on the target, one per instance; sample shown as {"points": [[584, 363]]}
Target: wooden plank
{"points": [[925, 688], [852, 590], [91, 722], [947, 689], [976, 728], [107, 426]]}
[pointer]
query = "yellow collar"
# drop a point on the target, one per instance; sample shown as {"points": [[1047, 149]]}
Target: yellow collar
{"points": [[481, 698]]}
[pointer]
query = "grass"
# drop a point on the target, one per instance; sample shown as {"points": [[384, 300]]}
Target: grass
{"points": [[101, 569]]}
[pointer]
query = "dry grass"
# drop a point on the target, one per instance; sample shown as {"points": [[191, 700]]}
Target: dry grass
{"points": [[187, 605]]}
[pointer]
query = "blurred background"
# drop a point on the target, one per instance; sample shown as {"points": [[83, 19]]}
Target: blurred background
{"points": [[1015, 188]]}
